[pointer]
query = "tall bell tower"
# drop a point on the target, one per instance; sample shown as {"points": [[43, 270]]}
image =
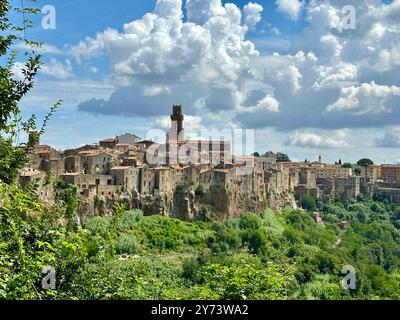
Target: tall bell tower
{"points": [[177, 132]]}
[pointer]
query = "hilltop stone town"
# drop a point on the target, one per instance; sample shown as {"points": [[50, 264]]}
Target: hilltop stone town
{"points": [[211, 180]]}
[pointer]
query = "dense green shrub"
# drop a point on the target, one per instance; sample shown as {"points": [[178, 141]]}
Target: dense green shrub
{"points": [[128, 219], [250, 221], [126, 244], [223, 238], [199, 192], [165, 234], [256, 240], [98, 225], [308, 203]]}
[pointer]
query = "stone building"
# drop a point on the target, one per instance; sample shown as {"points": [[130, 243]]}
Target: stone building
{"points": [[390, 172], [205, 175], [45, 191], [147, 180], [328, 170], [108, 191], [265, 163], [327, 186], [84, 181], [128, 139], [122, 148], [179, 150], [230, 193], [55, 166], [302, 190], [32, 176], [294, 178], [97, 162], [45, 158], [127, 177], [165, 180], [372, 173], [307, 177], [347, 187], [108, 143], [73, 164], [276, 180]]}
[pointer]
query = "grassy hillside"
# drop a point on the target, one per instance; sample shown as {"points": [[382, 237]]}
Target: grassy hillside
{"points": [[128, 256]]}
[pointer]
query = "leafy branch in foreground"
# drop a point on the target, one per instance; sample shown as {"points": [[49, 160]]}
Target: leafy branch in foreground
{"points": [[16, 80]]}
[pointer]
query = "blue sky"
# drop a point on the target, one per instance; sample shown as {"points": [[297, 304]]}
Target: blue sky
{"points": [[285, 68]]}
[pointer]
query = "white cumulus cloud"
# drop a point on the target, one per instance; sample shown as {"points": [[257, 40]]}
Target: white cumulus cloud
{"points": [[252, 14], [366, 98], [203, 62], [207, 63], [391, 138], [57, 69], [311, 139], [290, 7]]}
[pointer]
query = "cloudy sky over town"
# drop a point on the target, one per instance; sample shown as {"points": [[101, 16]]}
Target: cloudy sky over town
{"points": [[294, 71]]}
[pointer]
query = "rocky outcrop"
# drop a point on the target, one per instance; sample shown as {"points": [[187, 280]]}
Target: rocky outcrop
{"points": [[157, 203], [102, 207], [228, 205], [277, 201], [86, 208], [182, 203]]}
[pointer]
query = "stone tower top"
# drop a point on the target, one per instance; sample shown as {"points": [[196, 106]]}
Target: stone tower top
{"points": [[177, 123], [177, 114]]}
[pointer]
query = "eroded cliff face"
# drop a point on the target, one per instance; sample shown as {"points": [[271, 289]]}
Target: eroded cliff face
{"points": [[227, 205], [158, 203], [277, 201], [182, 204]]}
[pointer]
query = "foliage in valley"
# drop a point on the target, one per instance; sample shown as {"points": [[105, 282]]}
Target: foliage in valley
{"points": [[129, 256]]}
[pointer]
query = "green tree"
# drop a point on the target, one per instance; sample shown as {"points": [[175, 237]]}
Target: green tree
{"points": [[224, 238], [269, 154], [199, 192], [244, 280], [12, 90], [365, 162], [308, 203], [256, 240], [27, 231], [204, 214], [282, 157], [250, 221]]}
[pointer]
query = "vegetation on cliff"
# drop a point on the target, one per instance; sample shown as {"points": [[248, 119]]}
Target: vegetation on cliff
{"points": [[128, 256]]}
